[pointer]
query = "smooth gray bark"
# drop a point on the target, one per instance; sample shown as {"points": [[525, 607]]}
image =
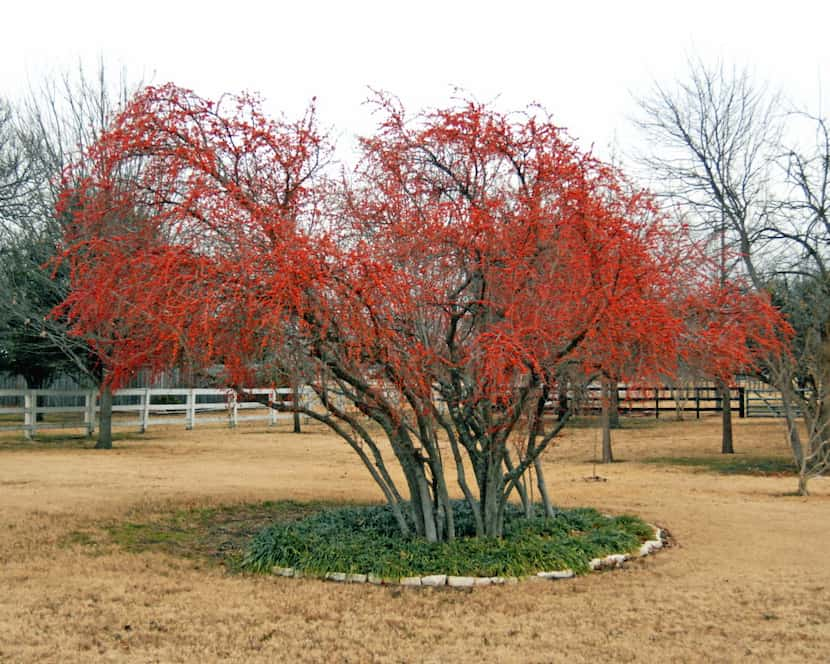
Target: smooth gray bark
{"points": [[105, 420]]}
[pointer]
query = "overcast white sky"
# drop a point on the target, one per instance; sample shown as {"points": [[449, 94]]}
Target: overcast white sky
{"points": [[583, 61]]}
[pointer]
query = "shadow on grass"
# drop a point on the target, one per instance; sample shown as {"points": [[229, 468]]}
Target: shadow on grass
{"points": [[79, 441], [731, 465], [216, 535]]}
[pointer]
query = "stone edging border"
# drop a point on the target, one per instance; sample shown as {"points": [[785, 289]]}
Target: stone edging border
{"points": [[434, 580]]}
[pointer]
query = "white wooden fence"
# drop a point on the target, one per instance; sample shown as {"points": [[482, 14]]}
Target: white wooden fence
{"points": [[34, 410]]}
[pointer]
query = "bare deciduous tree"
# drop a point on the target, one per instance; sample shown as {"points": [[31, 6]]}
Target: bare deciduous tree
{"points": [[726, 155], [801, 233], [39, 138], [711, 140]]}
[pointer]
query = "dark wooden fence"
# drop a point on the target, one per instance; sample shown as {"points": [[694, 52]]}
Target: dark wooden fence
{"points": [[650, 401]]}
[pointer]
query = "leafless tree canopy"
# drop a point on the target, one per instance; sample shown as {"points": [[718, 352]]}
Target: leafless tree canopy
{"points": [[731, 158], [712, 141], [39, 137]]}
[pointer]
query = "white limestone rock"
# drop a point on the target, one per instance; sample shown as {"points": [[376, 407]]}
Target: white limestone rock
{"points": [[336, 576], [434, 580], [411, 581], [284, 571], [614, 560], [460, 581], [557, 574], [356, 578]]}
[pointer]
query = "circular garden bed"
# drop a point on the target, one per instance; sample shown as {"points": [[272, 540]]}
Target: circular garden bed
{"points": [[363, 543]]}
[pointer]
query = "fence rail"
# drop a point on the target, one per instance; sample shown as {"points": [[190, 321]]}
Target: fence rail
{"points": [[33, 410], [764, 402], [747, 399], [665, 399]]}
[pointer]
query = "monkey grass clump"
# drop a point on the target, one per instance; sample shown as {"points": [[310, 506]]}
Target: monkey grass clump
{"points": [[367, 540]]}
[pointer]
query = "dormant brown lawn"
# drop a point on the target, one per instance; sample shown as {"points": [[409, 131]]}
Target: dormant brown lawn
{"points": [[747, 580]]}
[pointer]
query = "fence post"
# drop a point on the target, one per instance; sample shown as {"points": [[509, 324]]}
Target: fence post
{"points": [[29, 413], [307, 400], [233, 410], [657, 403], [741, 402], [307, 397], [89, 412], [145, 410], [190, 417], [697, 402], [272, 412]]}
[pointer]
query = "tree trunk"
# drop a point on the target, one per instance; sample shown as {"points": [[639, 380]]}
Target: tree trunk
{"points": [[605, 419], [492, 500], [295, 399], [793, 436], [524, 494], [543, 488], [444, 502], [562, 400], [461, 475], [426, 506], [821, 430], [521, 488], [725, 396], [614, 404], [802, 483], [105, 420], [416, 504]]}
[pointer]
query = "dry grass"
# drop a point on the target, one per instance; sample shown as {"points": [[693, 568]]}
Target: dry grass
{"points": [[747, 580]]}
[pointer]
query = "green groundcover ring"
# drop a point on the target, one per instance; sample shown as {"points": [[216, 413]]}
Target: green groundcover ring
{"points": [[364, 542]]}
